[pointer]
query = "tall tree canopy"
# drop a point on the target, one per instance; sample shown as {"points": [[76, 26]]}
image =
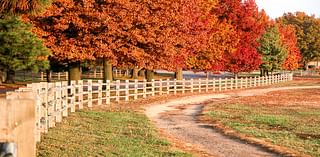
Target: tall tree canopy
{"points": [[289, 40], [210, 39], [122, 32], [22, 6], [250, 25], [272, 49], [308, 33]]}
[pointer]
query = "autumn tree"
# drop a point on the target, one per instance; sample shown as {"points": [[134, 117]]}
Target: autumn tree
{"points": [[142, 35], [20, 49], [307, 30], [289, 39], [206, 39], [65, 27], [250, 24], [121, 32], [22, 6], [272, 50]]}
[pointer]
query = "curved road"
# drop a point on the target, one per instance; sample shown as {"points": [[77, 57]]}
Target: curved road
{"points": [[184, 125]]}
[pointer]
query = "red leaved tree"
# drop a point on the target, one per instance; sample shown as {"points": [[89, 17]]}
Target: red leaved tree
{"points": [[208, 38], [250, 25]]}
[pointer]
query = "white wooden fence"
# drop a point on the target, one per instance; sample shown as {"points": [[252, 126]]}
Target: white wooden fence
{"points": [[63, 76], [55, 100]]}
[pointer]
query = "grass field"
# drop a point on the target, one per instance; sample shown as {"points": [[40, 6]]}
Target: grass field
{"points": [[286, 118], [99, 133]]}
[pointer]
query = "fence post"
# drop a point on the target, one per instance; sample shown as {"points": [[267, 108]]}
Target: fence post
{"points": [[95, 73], [259, 81], [59, 76], [80, 93], [168, 86], [236, 82], [160, 87], [246, 84], [58, 99], [65, 98], [135, 89], [13, 111], [89, 93], [117, 90], [226, 84], [42, 76], [108, 92], [127, 91], [51, 105], [231, 84], [72, 96], [199, 84], [100, 92], [66, 73], [183, 86], [175, 86], [220, 84], [36, 92], [152, 87], [191, 84], [144, 88], [207, 84], [43, 96], [214, 84]]}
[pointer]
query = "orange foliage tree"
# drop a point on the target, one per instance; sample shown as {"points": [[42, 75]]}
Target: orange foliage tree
{"points": [[250, 24], [209, 39], [121, 32], [289, 39]]}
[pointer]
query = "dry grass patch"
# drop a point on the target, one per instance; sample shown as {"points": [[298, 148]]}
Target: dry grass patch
{"points": [[286, 118]]}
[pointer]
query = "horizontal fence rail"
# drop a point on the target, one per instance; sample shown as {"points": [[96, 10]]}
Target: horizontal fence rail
{"points": [[55, 100]]}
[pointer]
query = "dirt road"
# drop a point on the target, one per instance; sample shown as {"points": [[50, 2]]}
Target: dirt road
{"points": [[179, 118]]}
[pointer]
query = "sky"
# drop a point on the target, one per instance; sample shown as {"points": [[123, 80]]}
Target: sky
{"points": [[276, 8]]}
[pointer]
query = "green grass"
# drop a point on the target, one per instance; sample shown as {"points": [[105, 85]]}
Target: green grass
{"points": [[296, 128], [98, 133]]}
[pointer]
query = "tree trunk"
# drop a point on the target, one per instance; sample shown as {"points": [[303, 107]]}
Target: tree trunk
{"points": [[10, 76], [135, 72], [142, 73], [178, 75], [74, 71], [48, 75], [3, 76], [107, 70], [149, 75], [261, 72]]}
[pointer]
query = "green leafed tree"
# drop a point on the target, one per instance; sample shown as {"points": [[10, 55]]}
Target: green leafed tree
{"points": [[20, 49], [272, 50], [307, 32]]}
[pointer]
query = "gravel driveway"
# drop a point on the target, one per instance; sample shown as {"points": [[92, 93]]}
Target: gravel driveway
{"points": [[178, 117]]}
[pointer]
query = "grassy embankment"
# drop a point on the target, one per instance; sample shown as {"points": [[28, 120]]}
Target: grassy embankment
{"points": [[100, 133]]}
